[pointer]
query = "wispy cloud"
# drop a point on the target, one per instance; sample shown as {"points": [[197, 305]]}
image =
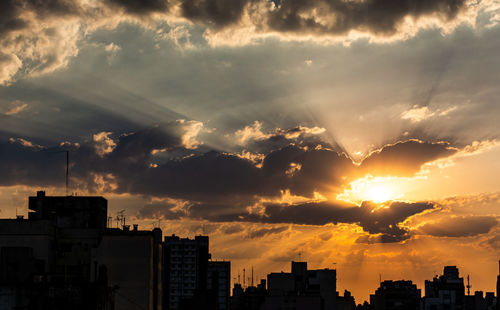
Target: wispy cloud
{"points": [[15, 107]]}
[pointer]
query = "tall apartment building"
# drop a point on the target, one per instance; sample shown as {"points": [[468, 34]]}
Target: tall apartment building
{"points": [[219, 282], [131, 259], [446, 291], [185, 263]]}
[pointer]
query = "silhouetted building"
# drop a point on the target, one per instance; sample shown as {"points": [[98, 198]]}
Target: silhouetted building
{"points": [[446, 292], [64, 257], [345, 302], [185, 273], [46, 259], [251, 298], [396, 295], [280, 284], [491, 301], [219, 282], [132, 261], [323, 282], [498, 288], [305, 289], [73, 212], [480, 302]]}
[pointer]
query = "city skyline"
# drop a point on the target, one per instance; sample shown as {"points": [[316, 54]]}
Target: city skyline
{"points": [[360, 136], [179, 273]]}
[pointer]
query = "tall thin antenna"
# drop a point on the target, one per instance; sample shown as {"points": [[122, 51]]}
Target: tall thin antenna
{"points": [[67, 168], [244, 277], [252, 275], [468, 286], [67, 171]]}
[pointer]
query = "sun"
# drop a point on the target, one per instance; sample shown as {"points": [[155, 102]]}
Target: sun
{"points": [[376, 189], [379, 193]]}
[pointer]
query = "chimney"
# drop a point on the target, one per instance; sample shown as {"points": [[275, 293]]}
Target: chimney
{"points": [[40, 194], [136, 226], [126, 227]]}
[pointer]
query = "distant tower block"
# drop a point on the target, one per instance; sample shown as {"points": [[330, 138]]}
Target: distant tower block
{"points": [[498, 284]]}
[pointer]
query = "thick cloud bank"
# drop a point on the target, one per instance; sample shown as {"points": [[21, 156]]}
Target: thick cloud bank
{"points": [[41, 36], [165, 162]]}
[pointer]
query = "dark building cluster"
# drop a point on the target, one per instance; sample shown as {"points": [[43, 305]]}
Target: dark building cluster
{"points": [[445, 292], [299, 289], [65, 256]]}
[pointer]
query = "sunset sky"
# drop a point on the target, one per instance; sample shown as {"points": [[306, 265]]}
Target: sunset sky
{"points": [[361, 135]]}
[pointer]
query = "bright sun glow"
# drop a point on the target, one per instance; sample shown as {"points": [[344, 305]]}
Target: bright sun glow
{"points": [[379, 193], [374, 189]]}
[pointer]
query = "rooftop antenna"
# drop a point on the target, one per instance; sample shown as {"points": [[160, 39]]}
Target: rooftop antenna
{"points": [[120, 218], [67, 168], [243, 277], [468, 286], [252, 275], [67, 172]]}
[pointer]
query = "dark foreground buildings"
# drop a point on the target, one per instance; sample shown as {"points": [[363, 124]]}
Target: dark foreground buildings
{"points": [[301, 289], [63, 256], [445, 292]]}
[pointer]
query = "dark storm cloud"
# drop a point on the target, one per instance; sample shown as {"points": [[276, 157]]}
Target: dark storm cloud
{"points": [[11, 12], [315, 169], [9, 20], [54, 29], [217, 186], [331, 16], [340, 16], [262, 232], [305, 16], [160, 211], [136, 165], [371, 217], [459, 226], [27, 164], [404, 158], [141, 7], [217, 13]]}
